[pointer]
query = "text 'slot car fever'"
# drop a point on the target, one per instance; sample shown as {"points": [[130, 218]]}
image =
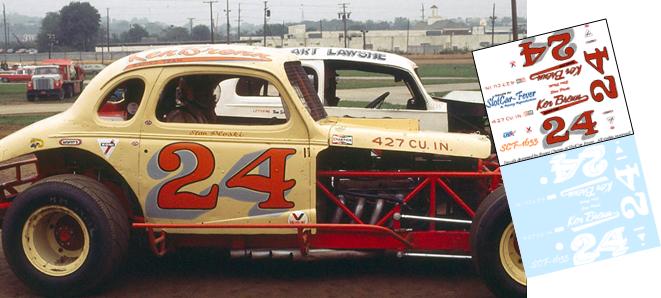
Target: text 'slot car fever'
{"points": [[142, 150]]}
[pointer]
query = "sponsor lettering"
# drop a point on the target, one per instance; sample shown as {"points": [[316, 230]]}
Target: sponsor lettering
{"points": [[70, 142], [356, 53], [342, 140], [507, 100]]}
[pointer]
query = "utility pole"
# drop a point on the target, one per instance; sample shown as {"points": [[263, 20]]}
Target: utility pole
{"points": [[238, 25], [227, 16], [422, 9], [364, 40], [4, 28], [108, 30], [211, 15], [321, 29], [51, 42], [344, 15], [190, 22], [515, 34], [408, 27], [302, 14], [282, 37], [493, 22], [267, 13]]}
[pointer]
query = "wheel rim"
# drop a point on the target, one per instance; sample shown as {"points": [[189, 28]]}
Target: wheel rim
{"points": [[55, 240], [510, 256]]}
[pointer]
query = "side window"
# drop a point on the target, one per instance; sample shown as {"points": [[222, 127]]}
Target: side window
{"points": [[249, 86], [220, 99], [123, 101]]}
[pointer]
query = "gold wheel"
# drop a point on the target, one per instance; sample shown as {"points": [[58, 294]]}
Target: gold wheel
{"points": [[55, 240], [510, 256]]}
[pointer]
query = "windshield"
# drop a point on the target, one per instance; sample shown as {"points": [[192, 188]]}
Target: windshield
{"points": [[46, 70], [305, 91]]}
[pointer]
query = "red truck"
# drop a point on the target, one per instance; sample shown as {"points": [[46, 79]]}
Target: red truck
{"points": [[20, 75], [59, 78]]}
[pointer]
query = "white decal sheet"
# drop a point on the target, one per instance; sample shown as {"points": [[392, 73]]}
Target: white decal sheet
{"points": [[552, 92], [563, 136]]}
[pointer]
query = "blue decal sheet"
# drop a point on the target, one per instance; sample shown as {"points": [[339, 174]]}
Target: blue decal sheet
{"points": [[580, 206]]}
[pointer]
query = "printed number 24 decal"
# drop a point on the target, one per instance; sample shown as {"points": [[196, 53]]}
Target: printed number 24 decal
{"points": [[170, 195]]}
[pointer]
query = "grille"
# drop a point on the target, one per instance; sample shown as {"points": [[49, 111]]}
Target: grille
{"points": [[43, 84]]}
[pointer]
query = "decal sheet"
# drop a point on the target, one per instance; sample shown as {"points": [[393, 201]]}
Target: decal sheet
{"points": [[580, 206], [553, 92]]}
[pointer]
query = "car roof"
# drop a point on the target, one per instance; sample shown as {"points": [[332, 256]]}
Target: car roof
{"points": [[203, 54], [355, 55]]}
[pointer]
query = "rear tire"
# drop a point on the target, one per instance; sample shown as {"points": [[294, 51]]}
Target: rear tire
{"points": [[495, 249], [60, 95], [68, 91], [65, 235], [31, 97]]}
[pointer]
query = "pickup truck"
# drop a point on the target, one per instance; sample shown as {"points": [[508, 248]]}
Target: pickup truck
{"points": [[23, 74]]}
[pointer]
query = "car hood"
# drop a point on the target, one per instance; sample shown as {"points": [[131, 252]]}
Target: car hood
{"points": [[403, 135]]}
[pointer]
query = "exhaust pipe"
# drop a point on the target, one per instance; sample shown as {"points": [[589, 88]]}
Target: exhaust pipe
{"points": [[398, 216]]}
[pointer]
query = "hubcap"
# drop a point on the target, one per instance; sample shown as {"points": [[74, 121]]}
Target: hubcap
{"points": [[510, 256], [55, 240]]}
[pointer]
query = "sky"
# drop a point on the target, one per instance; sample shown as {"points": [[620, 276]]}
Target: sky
{"points": [[177, 12]]}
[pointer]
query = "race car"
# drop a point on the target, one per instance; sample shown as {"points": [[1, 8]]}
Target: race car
{"points": [[142, 152]]}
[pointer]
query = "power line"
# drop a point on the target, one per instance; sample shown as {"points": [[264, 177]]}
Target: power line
{"points": [[211, 15]]}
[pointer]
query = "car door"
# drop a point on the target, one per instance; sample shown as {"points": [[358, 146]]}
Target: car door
{"points": [[234, 170]]}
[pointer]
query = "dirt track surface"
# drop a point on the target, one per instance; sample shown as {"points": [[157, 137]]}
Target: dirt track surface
{"points": [[204, 273]]}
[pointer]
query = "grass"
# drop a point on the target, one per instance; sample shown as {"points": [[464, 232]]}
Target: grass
{"points": [[12, 92], [426, 70], [23, 119], [356, 84]]}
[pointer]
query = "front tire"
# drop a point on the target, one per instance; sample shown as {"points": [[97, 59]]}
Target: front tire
{"points": [[495, 249], [65, 235], [60, 94]]}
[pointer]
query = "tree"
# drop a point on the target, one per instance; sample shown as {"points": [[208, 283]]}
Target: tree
{"points": [[49, 25], [200, 32], [175, 34], [135, 34], [79, 25], [400, 23]]}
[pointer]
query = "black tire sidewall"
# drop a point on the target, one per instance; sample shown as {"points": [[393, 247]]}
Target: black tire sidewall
{"points": [[78, 201], [491, 220]]}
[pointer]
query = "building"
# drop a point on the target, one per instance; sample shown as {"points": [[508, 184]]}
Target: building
{"points": [[425, 41]]}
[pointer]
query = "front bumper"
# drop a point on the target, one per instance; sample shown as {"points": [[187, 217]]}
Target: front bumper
{"points": [[45, 93]]}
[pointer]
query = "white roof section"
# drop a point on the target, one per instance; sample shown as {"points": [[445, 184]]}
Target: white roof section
{"points": [[356, 55], [212, 54], [465, 96]]}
